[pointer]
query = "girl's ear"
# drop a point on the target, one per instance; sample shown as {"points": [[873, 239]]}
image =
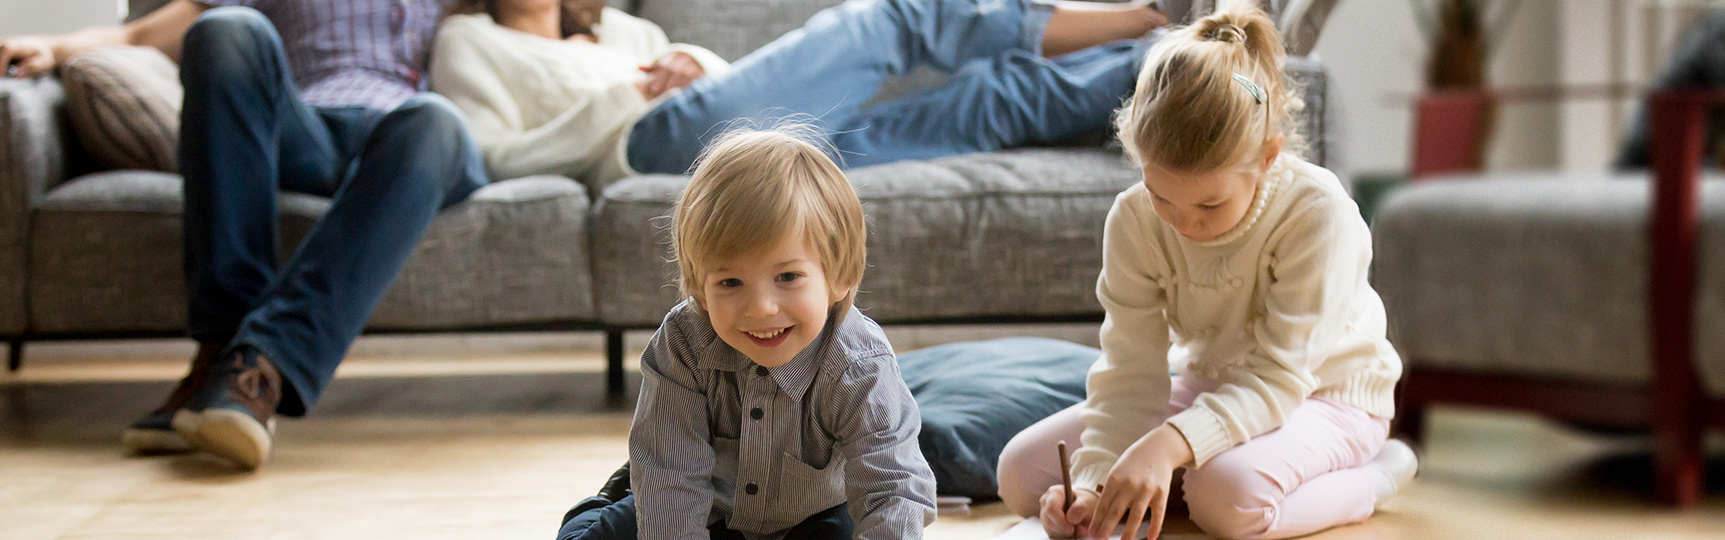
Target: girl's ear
{"points": [[1272, 148]]}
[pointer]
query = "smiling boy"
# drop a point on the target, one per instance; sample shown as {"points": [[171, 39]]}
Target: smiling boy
{"points": [[770, 407]]}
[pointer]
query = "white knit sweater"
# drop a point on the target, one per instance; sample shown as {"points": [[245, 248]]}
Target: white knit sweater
{"points": [[544, 106], [1272, 312]]}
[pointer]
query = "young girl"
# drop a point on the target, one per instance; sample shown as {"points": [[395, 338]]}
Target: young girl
{"points": [[1243, 269]]}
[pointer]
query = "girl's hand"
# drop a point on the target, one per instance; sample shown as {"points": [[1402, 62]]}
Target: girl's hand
{"points": [[670, 72], [1063, 523], [1138, 485]]}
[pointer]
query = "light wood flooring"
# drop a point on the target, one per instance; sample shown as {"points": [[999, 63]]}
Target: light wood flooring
{"points": [[421, 438]]}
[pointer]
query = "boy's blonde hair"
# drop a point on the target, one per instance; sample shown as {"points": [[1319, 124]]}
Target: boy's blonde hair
{"points": [[1191, 114], [755, 188]]}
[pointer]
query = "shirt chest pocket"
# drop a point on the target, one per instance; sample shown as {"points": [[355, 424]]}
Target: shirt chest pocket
{"points": [[805, 490]]}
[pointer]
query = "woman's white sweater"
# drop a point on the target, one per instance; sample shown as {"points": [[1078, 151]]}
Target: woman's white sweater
{"points": [[544, 106]]}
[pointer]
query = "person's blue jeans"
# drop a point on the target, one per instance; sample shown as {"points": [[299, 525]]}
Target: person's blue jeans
{"points": [[1003, 92], [245, 136], [598, 519]]}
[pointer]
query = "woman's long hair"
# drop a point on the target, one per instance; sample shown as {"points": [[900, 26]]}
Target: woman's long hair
{"points": [[577, 16]]}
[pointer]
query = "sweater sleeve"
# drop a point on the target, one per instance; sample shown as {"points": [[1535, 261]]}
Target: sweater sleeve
{"points": [[649, 42], [464, 71], [1317, 262], [1128, 387]]}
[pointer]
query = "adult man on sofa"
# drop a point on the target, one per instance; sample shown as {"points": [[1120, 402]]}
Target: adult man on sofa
{"points": [[313, 96]]}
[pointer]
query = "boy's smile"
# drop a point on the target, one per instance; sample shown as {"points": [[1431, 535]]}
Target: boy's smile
{"points": [[771, 304]]}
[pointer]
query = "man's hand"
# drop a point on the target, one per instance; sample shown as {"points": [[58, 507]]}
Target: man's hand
{"points": [[1138, 486], [1061, 522], [669, 72], [26, 56]]}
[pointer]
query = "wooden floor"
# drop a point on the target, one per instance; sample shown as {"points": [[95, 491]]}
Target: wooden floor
{"points": [[464, 444]]}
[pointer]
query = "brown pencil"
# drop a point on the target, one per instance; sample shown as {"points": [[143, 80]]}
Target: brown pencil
{"points": [[1065, 477]]}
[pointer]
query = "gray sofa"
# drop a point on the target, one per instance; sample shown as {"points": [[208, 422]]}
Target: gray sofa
{"points": [[1005, 236]]}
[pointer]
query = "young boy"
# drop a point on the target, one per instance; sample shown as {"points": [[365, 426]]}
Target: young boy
{"points": [[770, 407]]}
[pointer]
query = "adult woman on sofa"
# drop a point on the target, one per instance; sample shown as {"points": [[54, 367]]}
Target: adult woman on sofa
{"points": [[575, 88]]}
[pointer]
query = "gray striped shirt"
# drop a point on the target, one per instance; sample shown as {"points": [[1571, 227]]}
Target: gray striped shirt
{"points": [[720, 439]]}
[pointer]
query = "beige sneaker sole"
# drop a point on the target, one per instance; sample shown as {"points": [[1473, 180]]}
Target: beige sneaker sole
{"points": [[228, 434], [237, 436], [154, 442]]}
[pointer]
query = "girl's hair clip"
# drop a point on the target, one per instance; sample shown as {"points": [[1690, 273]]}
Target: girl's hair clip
{"points": [[1257, 93]]}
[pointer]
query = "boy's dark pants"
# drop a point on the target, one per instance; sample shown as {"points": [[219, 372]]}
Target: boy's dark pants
{"points": [[598, 519]]}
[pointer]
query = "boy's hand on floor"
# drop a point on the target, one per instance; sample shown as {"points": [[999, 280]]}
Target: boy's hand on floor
{"points": [[1064, 523]]}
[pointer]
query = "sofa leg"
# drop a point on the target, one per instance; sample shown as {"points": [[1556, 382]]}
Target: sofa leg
{"points": [[1679, 462], [14, 354], [614, 362]]}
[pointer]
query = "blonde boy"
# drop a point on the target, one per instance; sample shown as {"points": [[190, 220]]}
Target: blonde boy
{"points": [[769, 408]]}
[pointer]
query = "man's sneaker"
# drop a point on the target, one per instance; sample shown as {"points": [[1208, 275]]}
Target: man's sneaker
{"points": [[236, 417], [616, 487], [154, 433]]}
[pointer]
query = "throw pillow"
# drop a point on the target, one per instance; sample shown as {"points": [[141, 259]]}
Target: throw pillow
{"points": [[975, 396], [124, 104]]}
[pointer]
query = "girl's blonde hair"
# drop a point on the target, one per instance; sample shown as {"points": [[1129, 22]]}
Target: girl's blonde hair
{"points": [[1190, 113], [755, 188]]}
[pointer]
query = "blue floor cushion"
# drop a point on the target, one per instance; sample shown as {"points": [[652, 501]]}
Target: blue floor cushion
{"points": [[975, 396]]}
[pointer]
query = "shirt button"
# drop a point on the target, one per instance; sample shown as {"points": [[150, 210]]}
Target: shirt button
{"points": [[755, 414], [761, 370], [751, 488]]}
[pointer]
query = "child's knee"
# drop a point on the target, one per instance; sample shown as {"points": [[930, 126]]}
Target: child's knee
{"points": [[1231, 500], [1020, 487]]}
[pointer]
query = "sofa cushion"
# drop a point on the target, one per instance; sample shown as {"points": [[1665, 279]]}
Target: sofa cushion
{"points": [[515, 252], [1002, 234], [1536, 274], [124, 104], [106, 257]]}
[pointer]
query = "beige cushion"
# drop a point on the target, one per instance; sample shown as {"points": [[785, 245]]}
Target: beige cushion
{"points": [[124, 103]]}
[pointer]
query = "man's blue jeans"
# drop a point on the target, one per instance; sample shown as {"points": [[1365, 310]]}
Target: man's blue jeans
{"points": [[1003, 92], [245, 136]]}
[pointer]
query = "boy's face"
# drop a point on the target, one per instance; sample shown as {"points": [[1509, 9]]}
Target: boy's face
{"points": [[772, 304]]}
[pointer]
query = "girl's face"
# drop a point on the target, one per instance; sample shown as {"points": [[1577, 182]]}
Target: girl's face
{"points": [[1201, 207]]}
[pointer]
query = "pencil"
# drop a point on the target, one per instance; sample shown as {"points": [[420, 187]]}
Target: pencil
{"points": [[1065, 477]]}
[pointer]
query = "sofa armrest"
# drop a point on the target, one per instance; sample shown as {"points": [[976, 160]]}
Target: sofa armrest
{"points": [[32, 160]]}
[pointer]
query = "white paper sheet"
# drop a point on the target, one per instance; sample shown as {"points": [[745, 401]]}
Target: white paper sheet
{"points": [[1031, 529]]}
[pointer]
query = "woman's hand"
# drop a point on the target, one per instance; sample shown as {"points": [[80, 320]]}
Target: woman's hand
{"points": [[1138, 485], [1061, 522], [670, 72], [25, 56]]}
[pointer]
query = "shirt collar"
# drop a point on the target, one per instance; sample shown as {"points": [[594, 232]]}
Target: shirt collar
{"points": [[793, 378]]}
